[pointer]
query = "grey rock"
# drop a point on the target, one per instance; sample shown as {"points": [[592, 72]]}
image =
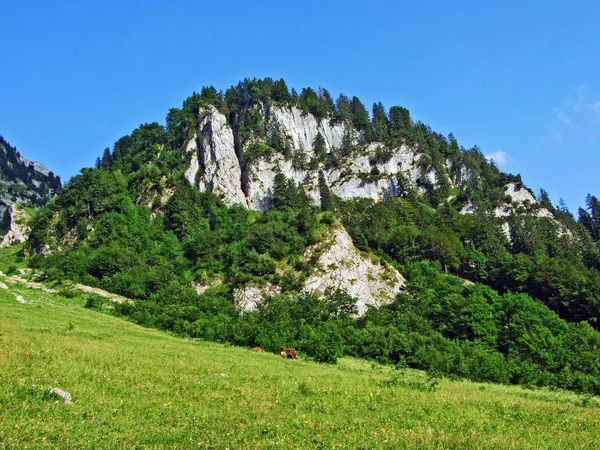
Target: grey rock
{"points": [[65, 395]]}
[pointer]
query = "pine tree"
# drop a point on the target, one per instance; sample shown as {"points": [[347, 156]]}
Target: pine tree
{"points": [[380, 123], [285, 192], [343, 109], [106, 158], [360, 119], [400, 122], [280, 92], [544, 199], [279, 195], [585, 219], [319, 147], [327, 101], [325, 193], [593, 206]]}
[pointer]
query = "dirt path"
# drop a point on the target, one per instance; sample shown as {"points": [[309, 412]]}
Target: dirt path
{"points": [[18, 279]]}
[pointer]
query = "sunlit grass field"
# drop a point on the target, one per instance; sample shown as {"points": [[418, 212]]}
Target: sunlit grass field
{"points": [[139, 388]]}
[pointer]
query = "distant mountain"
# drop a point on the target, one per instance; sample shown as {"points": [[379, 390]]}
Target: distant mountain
{"points": [[23, 181]]}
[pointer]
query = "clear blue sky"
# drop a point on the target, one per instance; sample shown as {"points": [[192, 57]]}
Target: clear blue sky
{"points": [[518, 79]]}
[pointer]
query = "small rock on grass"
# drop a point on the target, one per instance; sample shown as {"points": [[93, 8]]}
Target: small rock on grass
{"points": [[62, 394]]}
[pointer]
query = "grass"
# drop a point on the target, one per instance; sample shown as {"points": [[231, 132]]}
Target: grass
{"points": [[138, 388]]}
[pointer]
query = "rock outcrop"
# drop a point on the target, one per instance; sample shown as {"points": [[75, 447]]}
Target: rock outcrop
{"points": [[218, 160], [249, 297], [18, 230], [214, 164], [339, 265]]}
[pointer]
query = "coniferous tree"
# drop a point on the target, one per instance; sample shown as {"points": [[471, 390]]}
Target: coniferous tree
{"points": [[327, 101], [400, 122], [360, 119], [325, 193], [279, 191], [593, 206], [544, 199], [319, 147], [285, 192], [280, 92], [343, 109], [294, 97], [380, 123], [106, 158]]}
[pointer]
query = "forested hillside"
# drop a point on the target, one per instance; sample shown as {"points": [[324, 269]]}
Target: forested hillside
{"points": [[243, 189]]}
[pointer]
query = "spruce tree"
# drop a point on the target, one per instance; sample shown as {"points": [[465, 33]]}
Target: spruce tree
{"points": [[325, 193], [380, 123], [343, 109], [400, 122], [106, 158], [360, 119], [319, 147]]}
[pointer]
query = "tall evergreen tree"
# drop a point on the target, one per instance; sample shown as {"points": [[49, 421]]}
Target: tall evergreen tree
{"points": [[593, 206], [325, 193], [400, 122], [327, 101], [544, 199], [380, 123], [285, 192], [280, 92], [343, 109], [360, 119], [319, 147], [106, 158]]}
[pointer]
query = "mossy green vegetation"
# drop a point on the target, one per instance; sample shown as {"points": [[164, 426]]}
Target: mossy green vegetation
{"points": [[135, 387]]}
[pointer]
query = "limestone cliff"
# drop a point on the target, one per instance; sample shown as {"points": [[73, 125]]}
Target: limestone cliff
{"points": [[216, 163], [339, 265], [342, 266]]}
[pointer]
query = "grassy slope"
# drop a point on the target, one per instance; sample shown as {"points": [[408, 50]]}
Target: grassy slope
{"points": [[137, 387]]}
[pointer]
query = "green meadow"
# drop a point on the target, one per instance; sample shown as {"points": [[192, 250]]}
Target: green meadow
{"points": [[139, 388]]}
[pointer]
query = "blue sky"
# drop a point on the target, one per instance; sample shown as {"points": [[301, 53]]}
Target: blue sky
{"points": [[518, 79]]}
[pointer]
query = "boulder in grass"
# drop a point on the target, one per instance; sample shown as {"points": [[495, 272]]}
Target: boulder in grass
{"points": [[63, 394]]}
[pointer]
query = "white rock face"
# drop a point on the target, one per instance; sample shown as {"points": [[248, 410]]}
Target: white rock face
{"points": [[194, 167], [303, 127], [342, 266], [215, 154], [214, 164], [519, 194], [250, 296], [522, 198], [19, 228]]}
